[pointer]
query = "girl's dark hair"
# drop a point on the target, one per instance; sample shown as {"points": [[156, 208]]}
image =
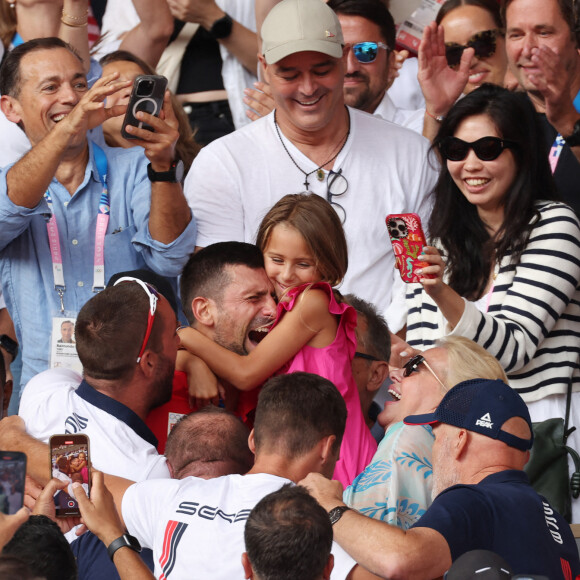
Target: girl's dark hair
{"points": [[469, 249], [492, 6]]}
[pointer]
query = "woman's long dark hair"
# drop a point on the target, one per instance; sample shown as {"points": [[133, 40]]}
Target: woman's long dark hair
{"points": [[455, 223]]}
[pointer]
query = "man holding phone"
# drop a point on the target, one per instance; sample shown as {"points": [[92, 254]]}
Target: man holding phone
{"points": [[102, 202]]}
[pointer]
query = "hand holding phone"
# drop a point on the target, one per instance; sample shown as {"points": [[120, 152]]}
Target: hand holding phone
{"points": [[69, 462], [408, 240], [147, 96]]}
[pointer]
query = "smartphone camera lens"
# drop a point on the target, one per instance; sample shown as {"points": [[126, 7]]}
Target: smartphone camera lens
{"points": [[145, 88]]}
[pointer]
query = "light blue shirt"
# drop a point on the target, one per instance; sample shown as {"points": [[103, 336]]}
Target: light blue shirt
{"points": [[25, 263]]}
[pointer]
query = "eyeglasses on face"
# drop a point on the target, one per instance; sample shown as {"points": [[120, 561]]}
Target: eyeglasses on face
{"points": [[366, 356], [486, 148], [153, 298], [412, 365], [366, 52], [336, 185], [483, 43]]}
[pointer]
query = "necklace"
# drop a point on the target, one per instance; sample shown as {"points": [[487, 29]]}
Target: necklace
{"points": [[319, 172]]}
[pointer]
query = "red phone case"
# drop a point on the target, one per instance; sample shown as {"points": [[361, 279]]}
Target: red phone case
{"points": [[408, 239]]}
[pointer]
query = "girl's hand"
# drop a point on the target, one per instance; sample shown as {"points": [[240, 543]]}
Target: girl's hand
{"points": [[203, 386], [431, 276]]}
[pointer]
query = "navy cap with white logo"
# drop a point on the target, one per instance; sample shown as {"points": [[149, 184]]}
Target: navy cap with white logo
{"points": [[482, 406]]}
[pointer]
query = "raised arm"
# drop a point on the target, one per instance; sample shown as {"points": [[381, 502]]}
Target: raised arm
{"points": [[74, 30], [242, 42], [150, 37]]}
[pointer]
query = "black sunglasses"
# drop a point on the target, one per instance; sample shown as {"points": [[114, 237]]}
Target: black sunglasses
{"points": [[486, 148], [484, 43], [412, 365]]}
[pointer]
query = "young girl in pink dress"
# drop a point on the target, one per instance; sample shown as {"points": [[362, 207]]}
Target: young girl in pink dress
{"points": [[305, 256]]}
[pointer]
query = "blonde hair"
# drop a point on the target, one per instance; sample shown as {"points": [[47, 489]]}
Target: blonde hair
{"points": [[317, 222], [467, 360]]}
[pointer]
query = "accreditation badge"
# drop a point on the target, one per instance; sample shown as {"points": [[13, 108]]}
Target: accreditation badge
{"points": [[63, 348]]}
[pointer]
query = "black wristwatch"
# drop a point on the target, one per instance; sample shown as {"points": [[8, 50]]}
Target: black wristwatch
{"points": [[174, 175], [574, 139], [336, 513], [9, 345], [222, 27], [125, 541]]}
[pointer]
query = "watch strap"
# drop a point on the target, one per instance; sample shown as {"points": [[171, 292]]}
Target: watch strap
{"points": [[124, 541], [336, 513], [173, 175], [574, 139], [222, 27]]}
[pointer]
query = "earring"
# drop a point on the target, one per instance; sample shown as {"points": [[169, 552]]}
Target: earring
{"points": [[12, 4]]}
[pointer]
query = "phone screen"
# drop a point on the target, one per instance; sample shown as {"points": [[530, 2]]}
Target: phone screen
{"points": [[70, 462], [12, 473]]}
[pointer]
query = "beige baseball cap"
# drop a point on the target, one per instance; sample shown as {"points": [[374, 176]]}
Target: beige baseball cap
{"points": [[301, 25]]}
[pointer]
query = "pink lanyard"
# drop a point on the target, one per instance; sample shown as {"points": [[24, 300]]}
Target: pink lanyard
{"points": [[101, 230], [555, 152]]}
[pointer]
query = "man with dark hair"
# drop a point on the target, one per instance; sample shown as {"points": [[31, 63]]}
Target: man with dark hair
{"points": [[288, 536], [370, 366], [209, 443], [39, 543], [482, 497], [542, 45], [105, 203]]}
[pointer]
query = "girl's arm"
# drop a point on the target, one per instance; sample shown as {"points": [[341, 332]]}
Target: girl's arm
{"points": [[308, 318], [202, 384]]}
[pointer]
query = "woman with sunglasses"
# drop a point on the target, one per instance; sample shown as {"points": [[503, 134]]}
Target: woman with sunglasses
{"points": [[460, 51], [510, 279]]}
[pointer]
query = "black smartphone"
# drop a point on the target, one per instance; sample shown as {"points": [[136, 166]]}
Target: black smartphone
{"points": [[147, 96], [69, 462], [12, 474]]}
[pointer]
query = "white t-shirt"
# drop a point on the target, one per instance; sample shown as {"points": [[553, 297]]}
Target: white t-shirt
{"points": [[196, 526], [55, 402], [387, 110], [235, 180], [14, 143]]}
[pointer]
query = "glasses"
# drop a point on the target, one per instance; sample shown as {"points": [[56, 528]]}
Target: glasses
{"points": [[336, 185], [486, 148], [153, 298], [366, 356], [484, 43], [412, 365], [366, 52]]}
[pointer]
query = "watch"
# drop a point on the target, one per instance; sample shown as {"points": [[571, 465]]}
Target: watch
{"points": [[125, 541], [222, 27], [9, 345], [174, 175], [336, 513], [574, 139]]}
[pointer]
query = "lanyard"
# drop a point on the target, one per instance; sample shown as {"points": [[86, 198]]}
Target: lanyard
{"points": [[101, 230], [17, 40], [555, 151]]}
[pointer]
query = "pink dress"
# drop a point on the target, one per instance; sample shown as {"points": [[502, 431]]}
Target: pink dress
{"points": [[333, 362]]}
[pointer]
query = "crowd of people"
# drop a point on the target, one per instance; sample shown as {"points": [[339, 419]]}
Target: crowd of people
{"points": [[211, 295]]}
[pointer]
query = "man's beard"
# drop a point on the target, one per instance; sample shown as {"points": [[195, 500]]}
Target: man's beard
{"points": [[162, 385]]}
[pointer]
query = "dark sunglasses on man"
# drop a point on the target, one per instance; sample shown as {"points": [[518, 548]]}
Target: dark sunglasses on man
{"points": [[483, 43]]}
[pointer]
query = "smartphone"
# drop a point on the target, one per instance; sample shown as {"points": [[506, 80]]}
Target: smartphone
{"points": [[408, 240], [12, 474], [69, 462], [147, 96]]}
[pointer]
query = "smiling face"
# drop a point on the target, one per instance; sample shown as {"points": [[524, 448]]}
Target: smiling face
{"points": [[483, 183], [288, 259], [307, 89], [245, 308], [534, 23], [364, 83], [418, 393], [52, 81], [459, 26]]}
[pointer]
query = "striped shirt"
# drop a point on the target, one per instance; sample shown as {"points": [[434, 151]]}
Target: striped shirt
{"points": [[532, 324]]}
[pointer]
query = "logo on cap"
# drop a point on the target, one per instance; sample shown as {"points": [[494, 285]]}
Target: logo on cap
{"points": [[329, 34], [485, 421]]}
